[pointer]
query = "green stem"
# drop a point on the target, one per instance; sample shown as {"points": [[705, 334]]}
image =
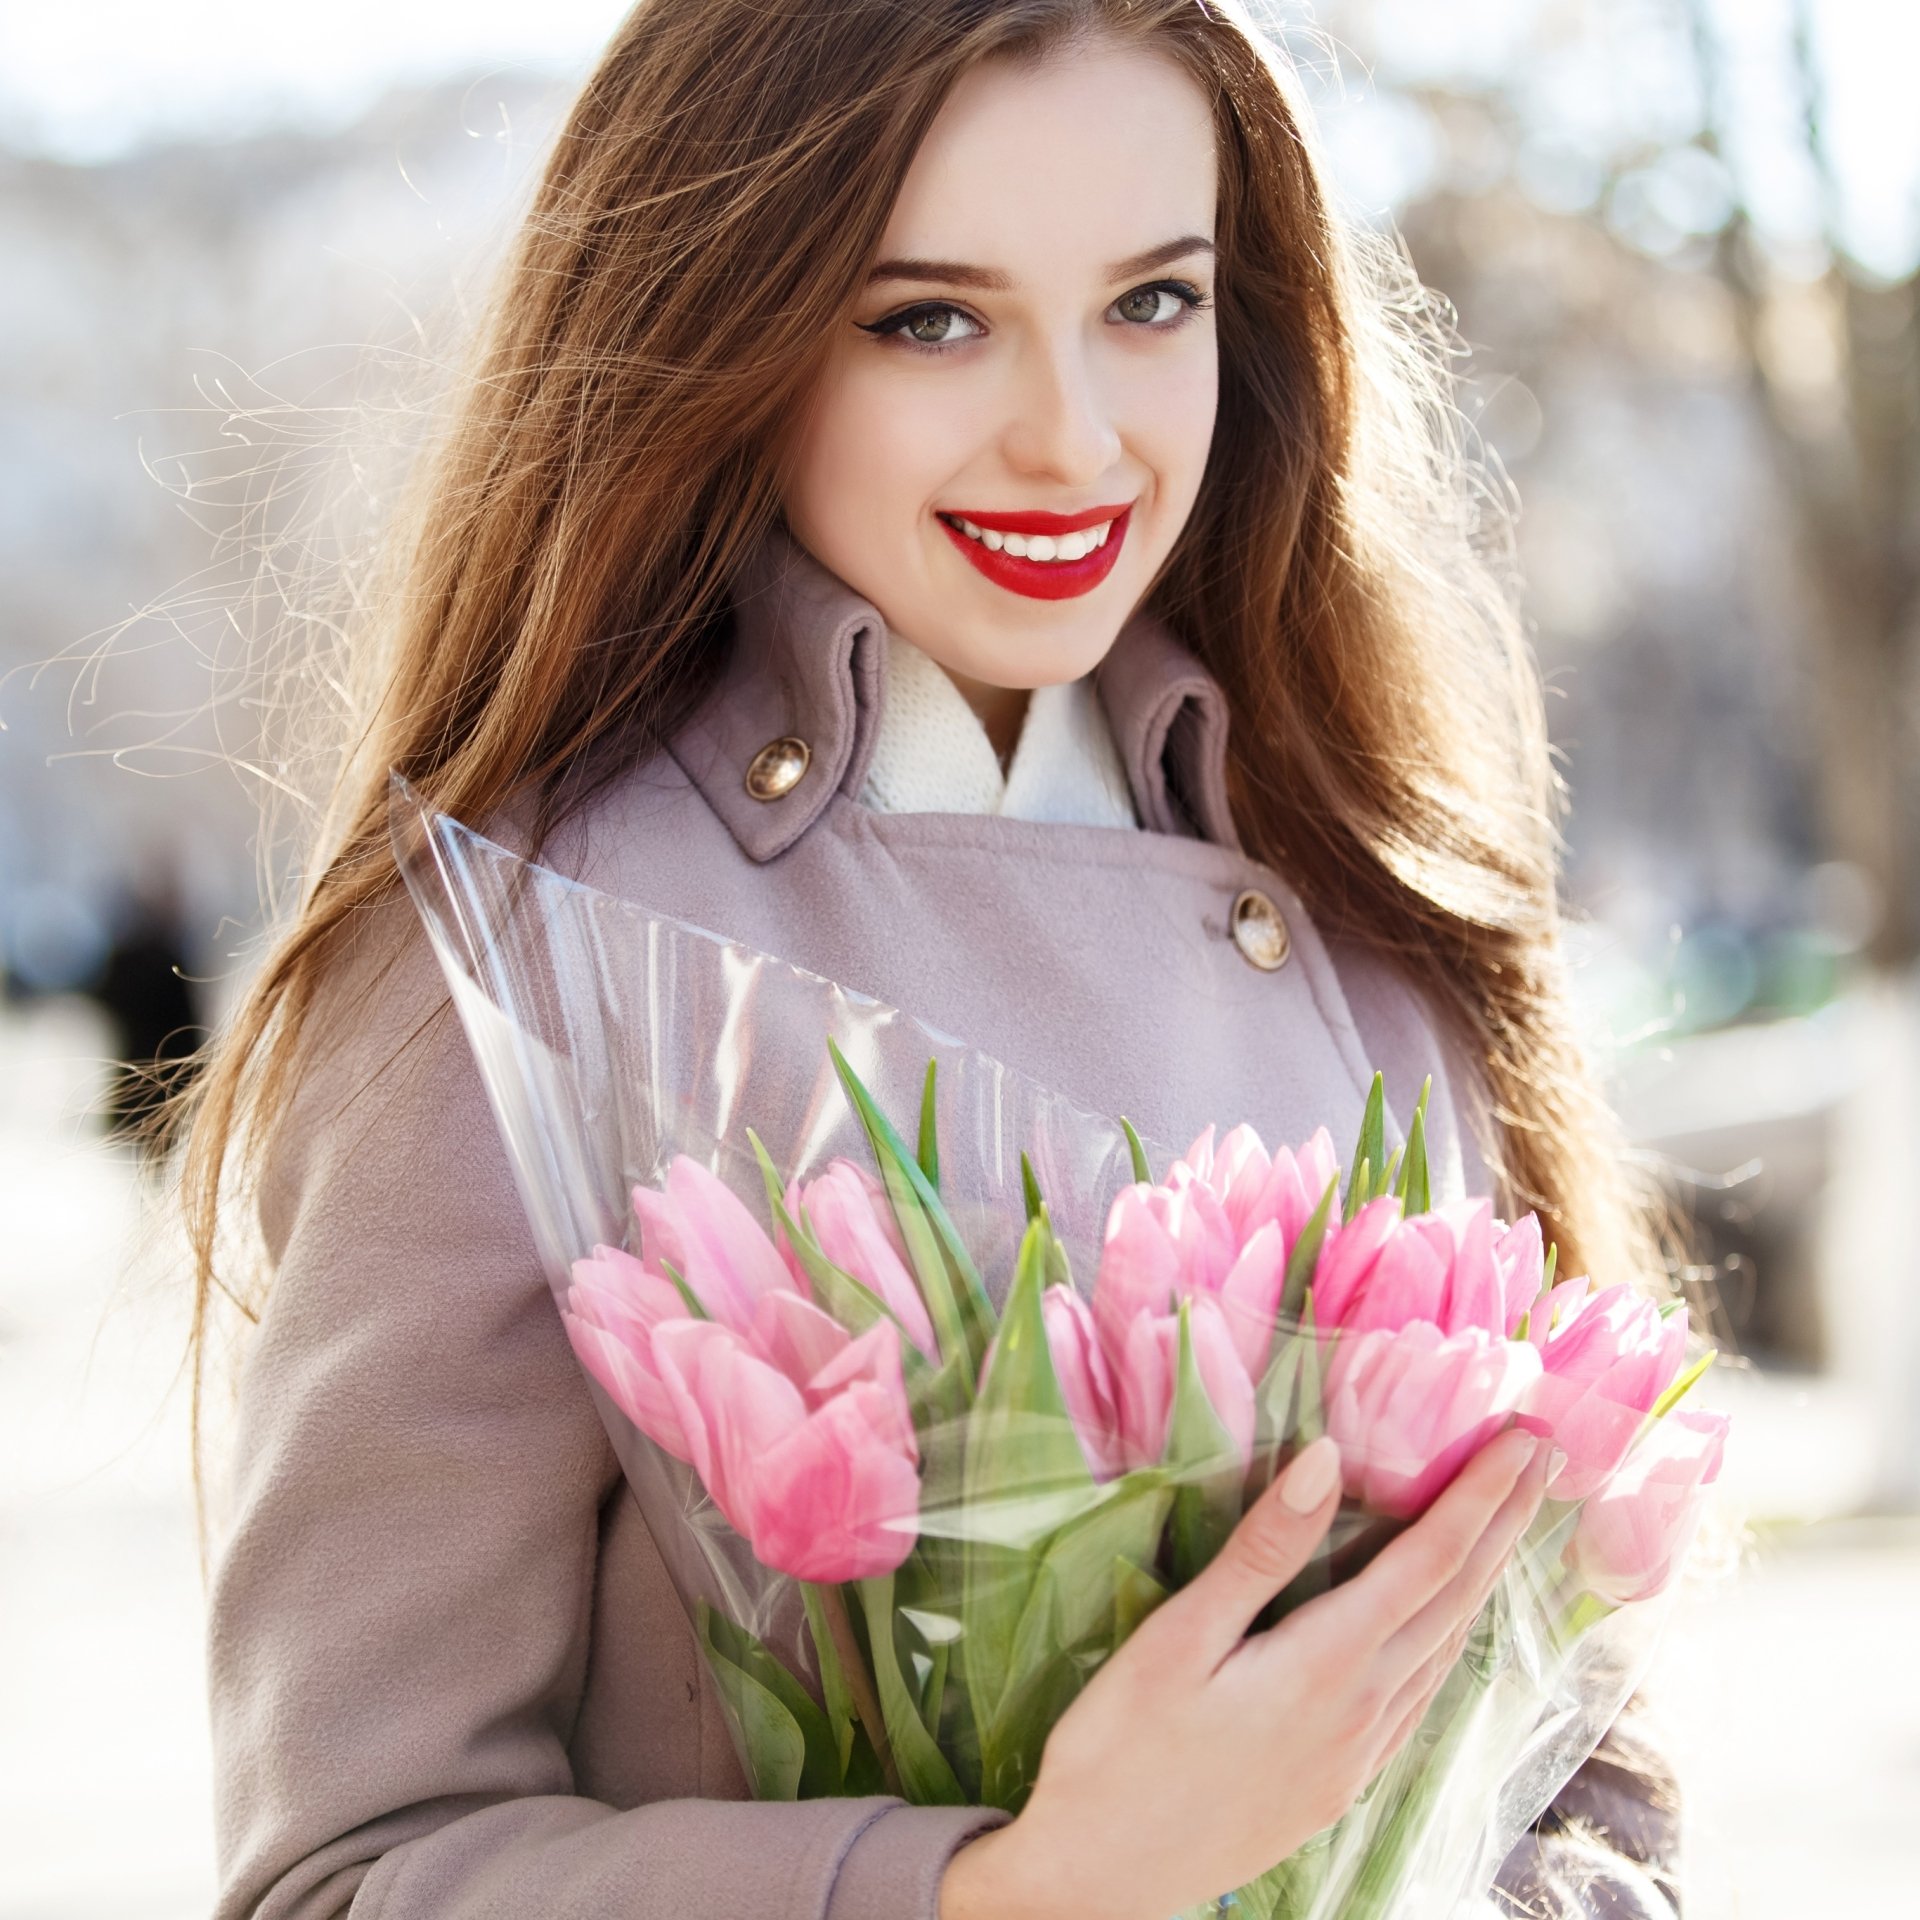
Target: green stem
{"points": [[1588, 1610], [866, 1703], [1390, 1850]]}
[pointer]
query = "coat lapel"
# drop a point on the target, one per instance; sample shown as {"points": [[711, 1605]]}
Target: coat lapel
{"points": [[808, 662]]}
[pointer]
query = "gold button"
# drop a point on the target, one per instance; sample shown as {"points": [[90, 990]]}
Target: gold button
{"points": [[777, 768], [1259, 932]]}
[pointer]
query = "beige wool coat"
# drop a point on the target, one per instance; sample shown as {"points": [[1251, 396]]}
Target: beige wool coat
{"points": [[449, 1679]]}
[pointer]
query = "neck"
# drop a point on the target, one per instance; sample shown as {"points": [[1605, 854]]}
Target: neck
{"points": [[1002, 710]]}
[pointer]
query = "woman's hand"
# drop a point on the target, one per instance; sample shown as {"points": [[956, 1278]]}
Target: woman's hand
{"points": [[1199, 1756]]}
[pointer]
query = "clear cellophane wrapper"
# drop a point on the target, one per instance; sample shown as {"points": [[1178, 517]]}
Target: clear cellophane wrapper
{"points": [[613, 1042]]}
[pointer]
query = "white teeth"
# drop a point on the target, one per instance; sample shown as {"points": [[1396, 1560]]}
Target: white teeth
{"points": [[1044, 547]]}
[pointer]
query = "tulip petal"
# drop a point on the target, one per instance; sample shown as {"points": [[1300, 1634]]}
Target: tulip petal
{"points": [[1634, 1532], [833, 1500], [728, 1258], [1139, 1269], [627, 1375], [1347, 1256], [1086, 1382], [1410, 1408], [1250, 1296], [1519, 1255], [733, 1407]]}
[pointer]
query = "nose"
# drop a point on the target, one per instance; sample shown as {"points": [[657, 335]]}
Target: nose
{"points": [[1061, 426]]}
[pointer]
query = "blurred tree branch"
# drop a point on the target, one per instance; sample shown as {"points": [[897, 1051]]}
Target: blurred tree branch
{"points": [[1835, 368]]}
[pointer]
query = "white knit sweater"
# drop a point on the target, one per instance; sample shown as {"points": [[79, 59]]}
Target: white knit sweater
{"points": [[931, 753]]}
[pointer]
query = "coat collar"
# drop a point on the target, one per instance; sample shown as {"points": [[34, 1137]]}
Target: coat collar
{"points": [[809, 661]]}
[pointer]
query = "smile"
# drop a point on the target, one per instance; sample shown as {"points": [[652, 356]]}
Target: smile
{"points": [[1045, 556]]}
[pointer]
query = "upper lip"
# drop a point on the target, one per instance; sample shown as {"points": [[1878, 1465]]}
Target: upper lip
{"points": [[1034, 522]]}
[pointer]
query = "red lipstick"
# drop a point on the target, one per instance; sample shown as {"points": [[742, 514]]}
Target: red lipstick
{"points": [[1042, 579]]}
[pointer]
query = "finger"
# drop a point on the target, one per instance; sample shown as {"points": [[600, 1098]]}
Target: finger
{"points": [[1458, 1603], [1412, 1569], [1274, 1541], [1412, 1713], [1409, 1704]]}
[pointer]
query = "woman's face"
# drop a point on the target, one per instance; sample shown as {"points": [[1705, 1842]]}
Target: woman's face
{"points": [[1032, 360]]}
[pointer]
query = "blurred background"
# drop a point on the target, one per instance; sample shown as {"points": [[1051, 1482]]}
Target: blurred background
{"points": [[1681, 238]]}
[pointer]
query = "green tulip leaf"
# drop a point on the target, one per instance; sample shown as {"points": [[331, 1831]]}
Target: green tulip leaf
{"points": [[833, 1676], [926, 1779], [1359, 1189], [1066, 1627], [1135, 1595], [929, 1146], [1414, 1187], [1273, 1405], [1304, 1254], [689, 1299], [1204, 1463], [784, 1757], [962, 1315], [1370, 1150], [1684, 1385], [1311, 1421], [849, 1299], [1389, 1181], [1030, 1190], [1142, 1172], [1025, 1473]]}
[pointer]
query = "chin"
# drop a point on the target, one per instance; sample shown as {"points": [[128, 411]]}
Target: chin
{"points": [[1041, 660]]}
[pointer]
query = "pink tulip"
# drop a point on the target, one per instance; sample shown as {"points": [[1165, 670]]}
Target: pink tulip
{"points": [[1162, 1245], [702, 1230], [1411, 1407], [853, 1221], [1255, 1189], [1457, 1268], [1145, 1374], [1635, 1531], [818, 1474], [1520, 1257], [1605, 1365], [1086, 1382], [611, 1311]]}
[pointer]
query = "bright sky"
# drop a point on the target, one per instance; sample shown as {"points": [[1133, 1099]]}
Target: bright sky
{"points": [[90, 78]]}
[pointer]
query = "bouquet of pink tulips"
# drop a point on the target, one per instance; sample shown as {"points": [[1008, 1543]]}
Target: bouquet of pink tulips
{"points": [[932, 1386]]}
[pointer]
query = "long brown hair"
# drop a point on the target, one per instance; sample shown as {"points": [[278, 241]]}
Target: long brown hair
{"points": [[701, 230]]}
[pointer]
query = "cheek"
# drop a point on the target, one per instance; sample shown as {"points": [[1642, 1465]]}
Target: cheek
{"points": [[1174, 419], [877, 448]]}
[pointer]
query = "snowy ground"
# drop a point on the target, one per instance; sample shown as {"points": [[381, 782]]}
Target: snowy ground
{"points": [[1793, 1689]]}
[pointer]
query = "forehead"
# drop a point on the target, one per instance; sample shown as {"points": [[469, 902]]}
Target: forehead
{"points": [[1097, 152]]}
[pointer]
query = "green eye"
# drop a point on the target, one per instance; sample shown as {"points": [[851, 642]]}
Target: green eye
{"points": [[1142, 307], [930, 324], [1143, 303], [930, 328]]}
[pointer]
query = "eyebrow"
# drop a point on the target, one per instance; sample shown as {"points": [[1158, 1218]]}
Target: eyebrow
{"points": [[956, 273]]}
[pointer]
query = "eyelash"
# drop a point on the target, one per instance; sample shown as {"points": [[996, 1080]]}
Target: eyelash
{"points": [[895, 324]]}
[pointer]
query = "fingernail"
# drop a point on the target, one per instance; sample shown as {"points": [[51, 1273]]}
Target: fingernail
{"points": [[1556, 1465], [1314, 1474]]}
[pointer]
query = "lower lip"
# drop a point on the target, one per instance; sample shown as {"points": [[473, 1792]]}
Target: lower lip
{"points": [[1045, 579]]}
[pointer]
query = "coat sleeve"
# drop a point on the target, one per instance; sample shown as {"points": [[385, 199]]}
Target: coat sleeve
{"points": [[398, 1623], [1608, 1848]]}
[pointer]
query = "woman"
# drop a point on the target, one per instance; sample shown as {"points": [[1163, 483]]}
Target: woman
{"points": [[716, 598]]}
